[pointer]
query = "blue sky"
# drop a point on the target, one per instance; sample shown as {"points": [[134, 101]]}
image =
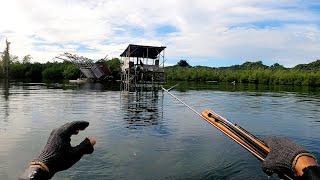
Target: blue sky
{"points": [[205, 32]]}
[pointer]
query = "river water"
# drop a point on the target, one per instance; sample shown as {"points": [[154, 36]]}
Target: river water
{"points": [[148, 135]]}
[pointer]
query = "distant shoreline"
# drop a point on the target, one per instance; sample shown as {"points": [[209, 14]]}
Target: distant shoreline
{"points": [[249, 72]]}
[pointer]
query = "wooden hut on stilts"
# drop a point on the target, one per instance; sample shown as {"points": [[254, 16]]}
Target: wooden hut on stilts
{"points": [[142, 67]]}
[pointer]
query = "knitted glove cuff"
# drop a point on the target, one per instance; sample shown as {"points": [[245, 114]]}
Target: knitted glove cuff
{"points": [[282, 154], [294, 162]]}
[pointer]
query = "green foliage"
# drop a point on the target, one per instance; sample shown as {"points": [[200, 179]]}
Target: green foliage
{"points": [[53, 71], [71, 72], [277, 66], [17, 70], [183, 63], [248, 66], [1, 66], [26, 71], [26, 59], [6, 60], [115, 67], [313, 66], [38, 71], [248, 72], [35, 71]]}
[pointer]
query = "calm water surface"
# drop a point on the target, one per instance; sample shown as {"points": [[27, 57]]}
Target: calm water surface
{"points": [[149, 135]]}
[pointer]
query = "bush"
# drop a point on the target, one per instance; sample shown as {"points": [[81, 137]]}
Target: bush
{"points": [[115, 67], [71, 72], [53, 71]]}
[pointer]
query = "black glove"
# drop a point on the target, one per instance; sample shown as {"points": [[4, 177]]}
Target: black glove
{"points": [[282, 157], [58, 154]]}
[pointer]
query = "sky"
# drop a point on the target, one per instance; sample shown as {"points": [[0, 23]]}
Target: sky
{"points": [[204, 32]]}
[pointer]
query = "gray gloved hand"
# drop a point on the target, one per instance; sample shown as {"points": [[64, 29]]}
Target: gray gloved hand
{"points": [[283, 153], [58, 154]]}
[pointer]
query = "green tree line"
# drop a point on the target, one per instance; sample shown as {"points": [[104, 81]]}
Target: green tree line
{"points": [[39, 71], [52, 70], [249, 72]]}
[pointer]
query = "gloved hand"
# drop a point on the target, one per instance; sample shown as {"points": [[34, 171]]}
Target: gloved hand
{"points": [[283, 156], [58, 154]]}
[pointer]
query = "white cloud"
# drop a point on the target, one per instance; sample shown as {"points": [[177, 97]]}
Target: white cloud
{"points": [[285, 31]]}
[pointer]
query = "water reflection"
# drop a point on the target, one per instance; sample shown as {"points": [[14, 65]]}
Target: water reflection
{"points": [[5, 86], [92, 86], [142, 108], [187, 86]]}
